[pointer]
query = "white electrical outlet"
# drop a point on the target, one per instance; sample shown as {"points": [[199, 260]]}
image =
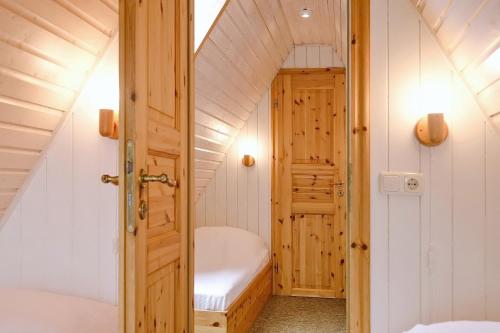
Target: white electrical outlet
{"points": [[401, 183], [414, 183]]}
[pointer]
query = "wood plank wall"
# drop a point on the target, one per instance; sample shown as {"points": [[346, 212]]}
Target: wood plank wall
{"points": [[62, 234], [434, 258], [47, 50], [469, 33], [238, 196]]}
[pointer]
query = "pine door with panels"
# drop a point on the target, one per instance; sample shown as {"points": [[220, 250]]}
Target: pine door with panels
{"points": [[155, 56], [309, 180]]}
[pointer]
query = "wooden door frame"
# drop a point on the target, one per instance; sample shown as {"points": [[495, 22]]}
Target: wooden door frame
{"points": [[127, 8], [358, 69], [358, 140]]}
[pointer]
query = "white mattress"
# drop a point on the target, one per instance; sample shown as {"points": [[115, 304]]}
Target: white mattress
{"points": [[458, 327], [30, 311], [226, 261]]}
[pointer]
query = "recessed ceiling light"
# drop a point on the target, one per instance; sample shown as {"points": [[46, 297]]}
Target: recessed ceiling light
{"points": [[305, 13]]}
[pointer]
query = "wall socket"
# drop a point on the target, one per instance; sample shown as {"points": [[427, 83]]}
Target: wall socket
{"points": [[402, 183]]}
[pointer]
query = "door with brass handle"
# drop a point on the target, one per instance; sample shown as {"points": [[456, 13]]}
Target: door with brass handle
{"points": [[155, 115], [163, 178], [106, 179]]}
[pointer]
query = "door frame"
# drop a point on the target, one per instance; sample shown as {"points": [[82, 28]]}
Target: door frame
{"points": [[127, 8], [358, 152], [358, 102]]}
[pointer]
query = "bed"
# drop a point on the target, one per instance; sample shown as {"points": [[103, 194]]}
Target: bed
{"points": [[32, 311], [233, 279], [458, 327]]}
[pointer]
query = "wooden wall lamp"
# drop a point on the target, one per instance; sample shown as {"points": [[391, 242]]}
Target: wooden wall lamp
{"points": [[108, 125], [432, 130], [248, 160], [248, 149]]}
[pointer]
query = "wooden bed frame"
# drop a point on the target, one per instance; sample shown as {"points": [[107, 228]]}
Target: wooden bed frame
{"points": [[241, 314]]}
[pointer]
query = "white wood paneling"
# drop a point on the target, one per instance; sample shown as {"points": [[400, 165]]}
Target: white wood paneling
{"points": [[239, 196], [469, 33], [379, 142], [312, 56], [62, 233], [432, 257], [492, 232], [48, 48], [436, 250], [404, 211]]}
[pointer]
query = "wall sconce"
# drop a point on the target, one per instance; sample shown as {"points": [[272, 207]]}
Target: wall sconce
{"points": [[248, 149], [432, 130], [108, 126], [248, 160]]}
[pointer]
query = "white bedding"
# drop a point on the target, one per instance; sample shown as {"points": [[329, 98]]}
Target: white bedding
{"points": [[226, 261], [31, 311], [459, 327]]}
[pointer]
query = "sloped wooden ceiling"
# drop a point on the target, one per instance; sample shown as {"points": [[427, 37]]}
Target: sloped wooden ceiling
{"points": [[47, 48], [469, 33], [239, 58]]}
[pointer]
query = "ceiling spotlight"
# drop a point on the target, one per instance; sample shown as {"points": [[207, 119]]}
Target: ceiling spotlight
{"points": [[305, 13]]}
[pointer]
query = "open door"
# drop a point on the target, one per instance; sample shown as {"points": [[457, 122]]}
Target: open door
{"points": [[155, 56]]}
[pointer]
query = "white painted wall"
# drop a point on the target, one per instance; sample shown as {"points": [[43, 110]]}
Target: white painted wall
{"points": [[62, 233], [239, 196], [435, 257]]}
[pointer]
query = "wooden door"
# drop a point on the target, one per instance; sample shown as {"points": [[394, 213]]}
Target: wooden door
{"points": [[155, 57], [309, 177]]}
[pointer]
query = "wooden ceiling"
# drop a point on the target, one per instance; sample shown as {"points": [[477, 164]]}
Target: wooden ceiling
{"points": [[47, 49], [239, 58], [469, 33]]}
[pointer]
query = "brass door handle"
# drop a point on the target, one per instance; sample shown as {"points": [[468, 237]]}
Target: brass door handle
{"points": [[106, 179], [163, 178]]}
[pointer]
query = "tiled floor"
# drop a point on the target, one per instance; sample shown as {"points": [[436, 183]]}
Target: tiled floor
{"points": [[302, 315]]}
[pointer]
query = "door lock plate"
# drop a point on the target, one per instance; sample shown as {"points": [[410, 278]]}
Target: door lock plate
{"points": [[143, 209], [130, 182]]}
